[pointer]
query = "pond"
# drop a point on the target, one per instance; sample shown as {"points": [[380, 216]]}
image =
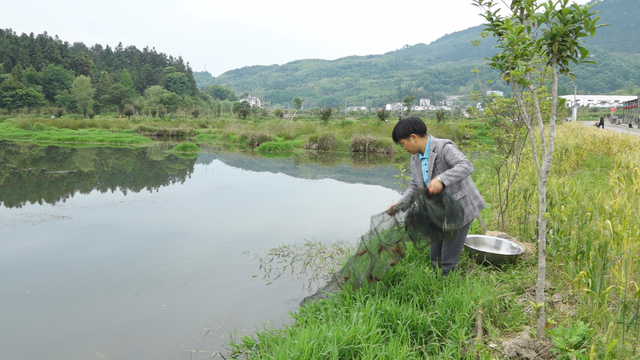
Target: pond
{"points": [[139, 254]]}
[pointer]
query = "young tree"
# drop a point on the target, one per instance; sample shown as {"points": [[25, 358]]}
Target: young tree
{"points": [[298, 103], [383, 114], [548, 34], [509, 132], [326, 113], [243, 109], [118, 96], [82, 90], [408, 102], [128, 111], [127, 82]]}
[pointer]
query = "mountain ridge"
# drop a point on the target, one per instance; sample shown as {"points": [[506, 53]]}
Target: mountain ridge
{"points": [[437, 70]]}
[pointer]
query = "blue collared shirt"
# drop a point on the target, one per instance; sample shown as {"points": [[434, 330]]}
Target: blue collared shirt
{"points": [[424, 159]]}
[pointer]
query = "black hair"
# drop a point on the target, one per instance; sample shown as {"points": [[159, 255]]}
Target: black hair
{"points": [[407, 126]]}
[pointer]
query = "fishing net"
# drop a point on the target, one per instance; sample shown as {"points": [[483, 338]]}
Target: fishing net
{"points": [[420, 220]]}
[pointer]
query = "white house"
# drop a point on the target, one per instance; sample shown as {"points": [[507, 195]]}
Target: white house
{"points": [[396, 106], [425, 102], [422, 107], [252, 100], [356, 108], [598, 101]]}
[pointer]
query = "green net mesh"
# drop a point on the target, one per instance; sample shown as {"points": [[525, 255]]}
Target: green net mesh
{"points": [[422, 219]]}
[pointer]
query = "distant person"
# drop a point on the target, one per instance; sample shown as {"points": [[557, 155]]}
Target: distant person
{"points": [[438, 164], [601, 123]]}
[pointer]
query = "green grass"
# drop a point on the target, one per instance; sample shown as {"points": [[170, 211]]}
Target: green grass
{"points": [[38, 132], [186, 147], [279, 146], [593, 265], [593, 205], [308, 131], [413, 313]]}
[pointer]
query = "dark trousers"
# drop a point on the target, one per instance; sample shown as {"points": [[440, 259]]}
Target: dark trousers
{"points": [[445, 254]]}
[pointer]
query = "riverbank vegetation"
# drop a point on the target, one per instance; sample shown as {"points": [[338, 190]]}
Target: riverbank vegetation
{"points": [[484, 312], [268, 134]]}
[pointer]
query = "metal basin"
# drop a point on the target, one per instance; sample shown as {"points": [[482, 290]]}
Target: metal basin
{"points": [[491, 249]]}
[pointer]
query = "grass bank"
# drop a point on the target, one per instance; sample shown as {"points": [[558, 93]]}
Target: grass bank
{"points": [[269, 135], [38, 132], [593, 297]]}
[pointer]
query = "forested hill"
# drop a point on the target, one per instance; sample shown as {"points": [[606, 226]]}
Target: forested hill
{"points": [[36, 70], [437, 70]]}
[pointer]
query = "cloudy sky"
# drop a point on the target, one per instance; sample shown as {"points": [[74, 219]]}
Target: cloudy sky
{"points": [[223, 35]]}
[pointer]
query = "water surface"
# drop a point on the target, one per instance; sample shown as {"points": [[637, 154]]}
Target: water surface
{"points": [[138, 254]]}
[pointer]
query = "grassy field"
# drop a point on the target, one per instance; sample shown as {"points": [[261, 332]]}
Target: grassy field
{"points": [[593, 297], [269, 135]]}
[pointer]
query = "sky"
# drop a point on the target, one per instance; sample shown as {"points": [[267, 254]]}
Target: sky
{"points": [[218, 36]]}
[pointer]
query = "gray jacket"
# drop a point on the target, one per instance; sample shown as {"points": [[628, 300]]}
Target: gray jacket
{"points": [[453, 168]]}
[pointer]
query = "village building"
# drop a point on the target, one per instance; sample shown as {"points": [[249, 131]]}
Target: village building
{"points": [[395, 107], [631, 112], [494, 92], [425, 102], [252, 100], [597, 101]]}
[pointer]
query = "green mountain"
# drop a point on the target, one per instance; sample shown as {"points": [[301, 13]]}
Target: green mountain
{"points": [[437, 70]]}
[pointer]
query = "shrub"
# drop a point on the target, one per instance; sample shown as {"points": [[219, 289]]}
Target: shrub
{"points": [[383, 114], [278, 113], [322, 142], [325, 114], [128, 111], [195, 113], [370, 144], [39, 126], [158, 131], [275, 147], [186, 147], [255, 139], [75, 117]]}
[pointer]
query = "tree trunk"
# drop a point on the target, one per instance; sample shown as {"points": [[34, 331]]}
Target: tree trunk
{"points": [[543, 177]]}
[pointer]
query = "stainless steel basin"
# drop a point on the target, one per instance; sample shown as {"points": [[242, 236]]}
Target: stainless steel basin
{"points": [[491, 249]]}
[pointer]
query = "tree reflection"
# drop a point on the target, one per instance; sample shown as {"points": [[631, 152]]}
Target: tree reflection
{"points": [[36, 174]]}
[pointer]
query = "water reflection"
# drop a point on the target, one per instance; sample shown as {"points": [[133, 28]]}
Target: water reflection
{"points": [[36, 174], [88, 273]]}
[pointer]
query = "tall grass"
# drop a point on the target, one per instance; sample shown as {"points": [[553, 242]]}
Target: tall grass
{"points": [[42, 133], [594, 229], [311, 133], [413, 313]]}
